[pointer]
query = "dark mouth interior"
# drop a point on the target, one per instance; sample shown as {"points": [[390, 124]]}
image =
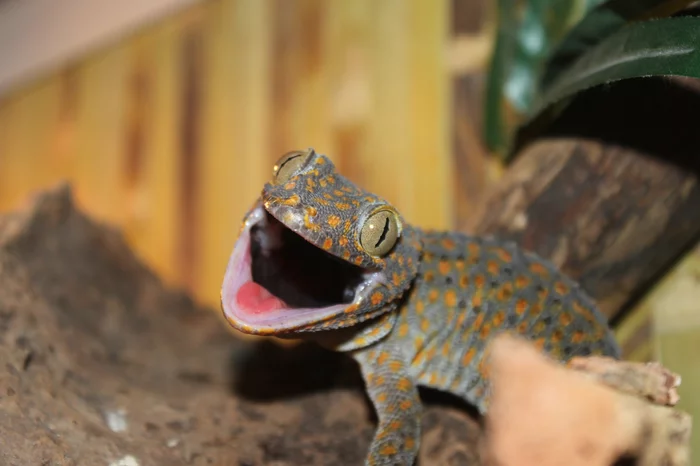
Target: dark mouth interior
{"points": [[297, 272]]}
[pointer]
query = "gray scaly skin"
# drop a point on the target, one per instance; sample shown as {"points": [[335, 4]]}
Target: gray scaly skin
{"points": [[319, 258]]}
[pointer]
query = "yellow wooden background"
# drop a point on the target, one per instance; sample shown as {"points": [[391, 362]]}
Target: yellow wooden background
{"points": [[171, 132]]}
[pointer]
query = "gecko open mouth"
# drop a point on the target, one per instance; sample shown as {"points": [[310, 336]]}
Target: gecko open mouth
{"points": [[277, 278]]}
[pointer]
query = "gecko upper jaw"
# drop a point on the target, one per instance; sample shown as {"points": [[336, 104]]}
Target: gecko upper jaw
{"points": [[277, 281]]}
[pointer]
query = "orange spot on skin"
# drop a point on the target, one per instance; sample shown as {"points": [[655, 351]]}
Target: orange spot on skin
{"points": [[343, 241], [473, 249], [395, 425], [351, 308], [539, 269], [539, 344], [536, 309], [405, 405], [448, 244], [409, 443], [396, 279], [394, 366], [290, 185], [450, 298], [333, 221], [320, 161], [479, 281], [585, 313], [327, 243], [425, 325], [577, 337], [292, 200], [323, 183], [478, 322], [342, 206], [505, 293], [381, 398], [522, 281], [468, 356], [446, 349], [403, 330], [383, 356], [565, 319], [504, 255], [561, 288], [377, 298], [522, 328], [323, 202], [557, 336], [420, 307], [459, 264], [461, 318], [388, 450], [433, 379], [429, 276], [327, 196], [492, 267], [444, 267], [433, 295], [463, 281], [358, 260], [338, 193], [404, 384], [499, 318], [520, 307], [485, 331], [476, 299], [346, 255]]}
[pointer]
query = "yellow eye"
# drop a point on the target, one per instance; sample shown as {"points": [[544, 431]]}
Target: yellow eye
{"points": [[289, 163], [379, 232]]}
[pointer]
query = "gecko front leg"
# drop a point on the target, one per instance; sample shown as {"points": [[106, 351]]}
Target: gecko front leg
{"points": [[397, 404]]}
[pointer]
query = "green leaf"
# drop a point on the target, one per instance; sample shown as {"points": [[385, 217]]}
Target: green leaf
{"points": [[661, 47], [526, 33], [599, 23]]}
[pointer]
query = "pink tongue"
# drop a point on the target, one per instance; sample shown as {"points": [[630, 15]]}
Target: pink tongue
{"points": [[254, 298]]}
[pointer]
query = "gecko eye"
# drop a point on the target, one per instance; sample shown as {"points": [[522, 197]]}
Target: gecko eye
{"points": [[289, 163], [379, 232]]}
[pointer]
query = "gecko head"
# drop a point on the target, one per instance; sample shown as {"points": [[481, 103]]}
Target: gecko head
{"points": [[316, 252]]}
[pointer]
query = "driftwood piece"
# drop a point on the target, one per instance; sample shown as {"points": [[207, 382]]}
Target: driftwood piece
{"points": [[543, 413], [610, 194]]}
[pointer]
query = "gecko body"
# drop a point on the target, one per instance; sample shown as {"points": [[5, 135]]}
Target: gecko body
{"points": [[320, 258]]}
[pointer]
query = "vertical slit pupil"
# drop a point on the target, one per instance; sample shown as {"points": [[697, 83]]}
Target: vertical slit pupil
{"points": [[382, 237], [289, 160]]}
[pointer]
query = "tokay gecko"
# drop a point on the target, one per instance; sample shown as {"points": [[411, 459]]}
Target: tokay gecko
{"points": [[320, 258]]}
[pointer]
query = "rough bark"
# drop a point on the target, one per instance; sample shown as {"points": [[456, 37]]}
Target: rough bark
{"points": [[610, 194]]}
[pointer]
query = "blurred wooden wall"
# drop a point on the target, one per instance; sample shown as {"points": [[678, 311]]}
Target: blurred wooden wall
{"points": [[171, 132]]}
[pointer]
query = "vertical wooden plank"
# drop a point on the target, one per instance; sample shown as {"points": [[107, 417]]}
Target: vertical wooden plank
{"points": [[25, 141], [151, 168], [100, 148], [349, 63], [235, 121], [431, 179], [387, 158], [311, 103]]}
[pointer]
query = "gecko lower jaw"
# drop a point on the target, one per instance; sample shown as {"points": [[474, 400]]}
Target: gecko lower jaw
{"points": [[277, 281]]}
